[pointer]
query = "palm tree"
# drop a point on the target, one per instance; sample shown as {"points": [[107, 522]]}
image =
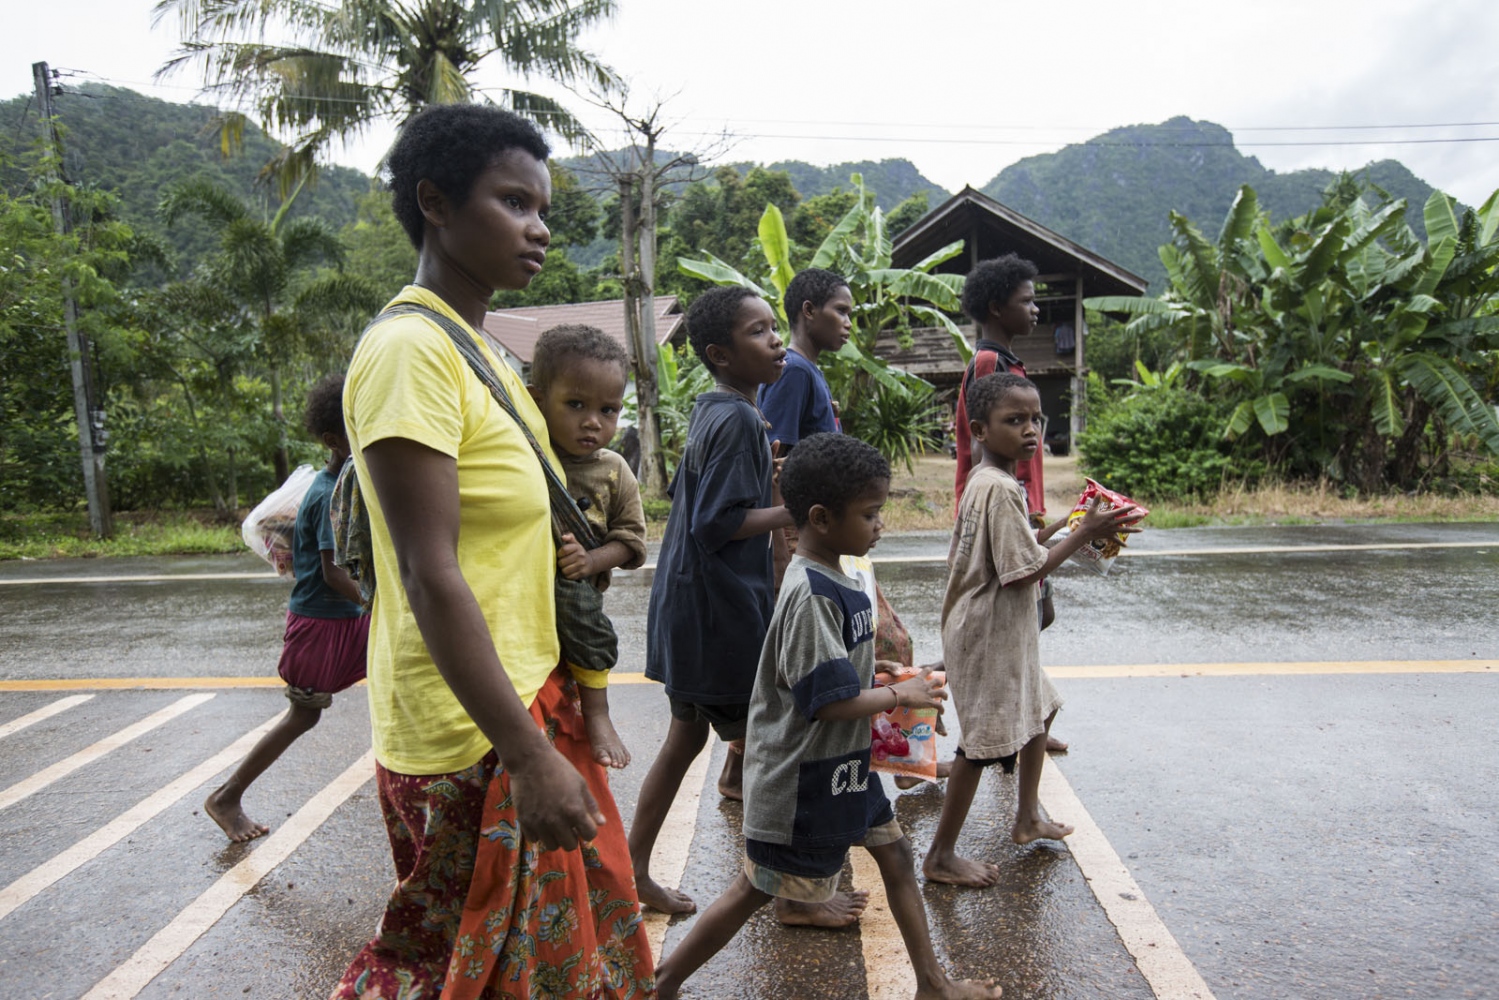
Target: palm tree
{"points": [[341, 66], [254, 272]]}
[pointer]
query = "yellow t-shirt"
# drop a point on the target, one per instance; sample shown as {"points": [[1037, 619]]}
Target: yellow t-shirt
{"points": [[407, 380]]}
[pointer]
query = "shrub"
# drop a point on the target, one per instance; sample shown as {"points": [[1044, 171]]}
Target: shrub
{"points": [[1161, 444]]}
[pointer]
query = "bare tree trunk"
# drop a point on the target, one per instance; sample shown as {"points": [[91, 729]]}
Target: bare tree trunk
{"points": [[278, 414], [647, 391], [642, 351]]}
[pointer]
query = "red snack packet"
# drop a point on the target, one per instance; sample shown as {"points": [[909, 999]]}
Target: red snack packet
{"points": [[903, 741], [1099, 554]]}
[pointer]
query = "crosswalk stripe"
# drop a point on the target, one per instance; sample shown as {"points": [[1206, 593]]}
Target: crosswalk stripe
{"points": [[669, 859], [45, 712], [1160, 959], [169, 943], [51, 871], [29, 786]]}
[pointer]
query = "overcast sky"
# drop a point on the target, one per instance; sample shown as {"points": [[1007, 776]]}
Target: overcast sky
{"points": [[964, 87]]}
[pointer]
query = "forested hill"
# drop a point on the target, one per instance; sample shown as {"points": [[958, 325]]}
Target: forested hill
{"points": [[892, 181], [1113, 193], [135, 145]]}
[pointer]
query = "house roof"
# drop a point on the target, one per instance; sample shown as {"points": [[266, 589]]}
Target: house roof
{"points": [[989, 229], [517, 330], [935, 357]]}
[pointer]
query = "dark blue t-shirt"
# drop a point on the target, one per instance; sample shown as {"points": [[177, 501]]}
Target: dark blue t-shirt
{"points": [[312, 536], [799, 403], [711, 598]]}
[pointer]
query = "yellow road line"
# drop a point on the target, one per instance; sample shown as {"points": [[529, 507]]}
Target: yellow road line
{"points": [[1475, 666], [1092, 672]]}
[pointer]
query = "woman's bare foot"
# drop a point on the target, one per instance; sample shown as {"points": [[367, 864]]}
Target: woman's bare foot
{"points": [[960, 989], [955, 870], [1028, 830], [842, 910], [1054, 745], [904, 781], [662, 899], [608, 749], [225, 810]]}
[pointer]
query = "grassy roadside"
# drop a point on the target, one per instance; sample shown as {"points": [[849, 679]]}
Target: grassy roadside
{"points": [[920, 500], [56, 536]]}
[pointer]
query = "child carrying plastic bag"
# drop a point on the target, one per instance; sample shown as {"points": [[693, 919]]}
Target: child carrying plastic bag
{"points": [[268, 529]]}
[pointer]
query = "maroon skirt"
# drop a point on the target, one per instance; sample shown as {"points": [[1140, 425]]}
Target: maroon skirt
{"points": [[324, 654]]}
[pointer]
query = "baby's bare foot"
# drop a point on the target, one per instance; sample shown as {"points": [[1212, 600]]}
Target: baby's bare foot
{"points": [[1028, 830], [662, 899], [608, 749], [961, 989], [231, 818], [840, 911], [955, 870]]}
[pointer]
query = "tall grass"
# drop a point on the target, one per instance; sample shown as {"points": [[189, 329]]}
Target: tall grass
{"points": [[53, 536]]}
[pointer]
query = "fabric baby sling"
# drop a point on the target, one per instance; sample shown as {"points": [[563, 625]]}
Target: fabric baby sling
{"points": [[587, 636]]}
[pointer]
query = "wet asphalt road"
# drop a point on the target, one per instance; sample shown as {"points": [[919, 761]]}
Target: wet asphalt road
{"points": [[1303, 835]]}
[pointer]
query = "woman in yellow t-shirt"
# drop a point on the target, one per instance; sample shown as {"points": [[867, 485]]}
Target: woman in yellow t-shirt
{"points": [[509, 851]]}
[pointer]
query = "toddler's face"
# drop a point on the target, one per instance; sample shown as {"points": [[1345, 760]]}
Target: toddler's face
{"points": [[1014, 427], [582, 405]]}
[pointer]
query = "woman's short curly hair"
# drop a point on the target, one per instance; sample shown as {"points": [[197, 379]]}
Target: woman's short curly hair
{"points": [[451, 145], [832, 470], [710, 320], [559, 345], [994, 281], [985, 393], [325, 407], [815, 285]]}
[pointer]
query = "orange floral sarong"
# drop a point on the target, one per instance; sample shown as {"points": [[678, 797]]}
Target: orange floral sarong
{"points": [[480, 913]]}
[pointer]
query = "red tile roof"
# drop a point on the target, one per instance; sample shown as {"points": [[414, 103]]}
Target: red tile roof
{"points": [[516, 330]]}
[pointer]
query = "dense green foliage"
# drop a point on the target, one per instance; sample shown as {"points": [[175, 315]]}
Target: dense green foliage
{"points": [[1114, 194], [1344, 347], [1157, 444]]}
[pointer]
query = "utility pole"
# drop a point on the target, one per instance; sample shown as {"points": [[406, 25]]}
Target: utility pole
{"points": [[89, 415]]}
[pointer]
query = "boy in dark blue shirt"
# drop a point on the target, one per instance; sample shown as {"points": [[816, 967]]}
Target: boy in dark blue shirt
{"points": [[711, 596], [809, 795], [819, 307]]}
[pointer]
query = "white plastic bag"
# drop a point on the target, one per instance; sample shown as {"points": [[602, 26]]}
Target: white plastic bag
{"points": [[269, 528]]}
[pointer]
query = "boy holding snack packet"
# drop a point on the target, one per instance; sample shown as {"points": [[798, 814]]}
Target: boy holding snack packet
{"points": [[1004, 701], [809, 795]]}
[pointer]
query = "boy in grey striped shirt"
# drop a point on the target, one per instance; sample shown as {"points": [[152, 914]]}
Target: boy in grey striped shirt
{"points": [[808, 792]]}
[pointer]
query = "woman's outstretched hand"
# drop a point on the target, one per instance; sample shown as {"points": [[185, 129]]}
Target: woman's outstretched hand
{"points": [[552, 802]]}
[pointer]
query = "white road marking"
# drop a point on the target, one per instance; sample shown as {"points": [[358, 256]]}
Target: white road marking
{"points": [[669, 859], [29, 786], [169, 943], [96, 843], [888, 560], [1160, 959], [45, 712], [887, 967]]}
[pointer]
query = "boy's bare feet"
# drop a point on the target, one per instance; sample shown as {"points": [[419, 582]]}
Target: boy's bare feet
{"points": [[608, 749], [731, 781], [225, 810], [904, 781], [662, 899], [1054, 745], [842, 910], [955, 870], [960, 989], [1028, 830]]}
